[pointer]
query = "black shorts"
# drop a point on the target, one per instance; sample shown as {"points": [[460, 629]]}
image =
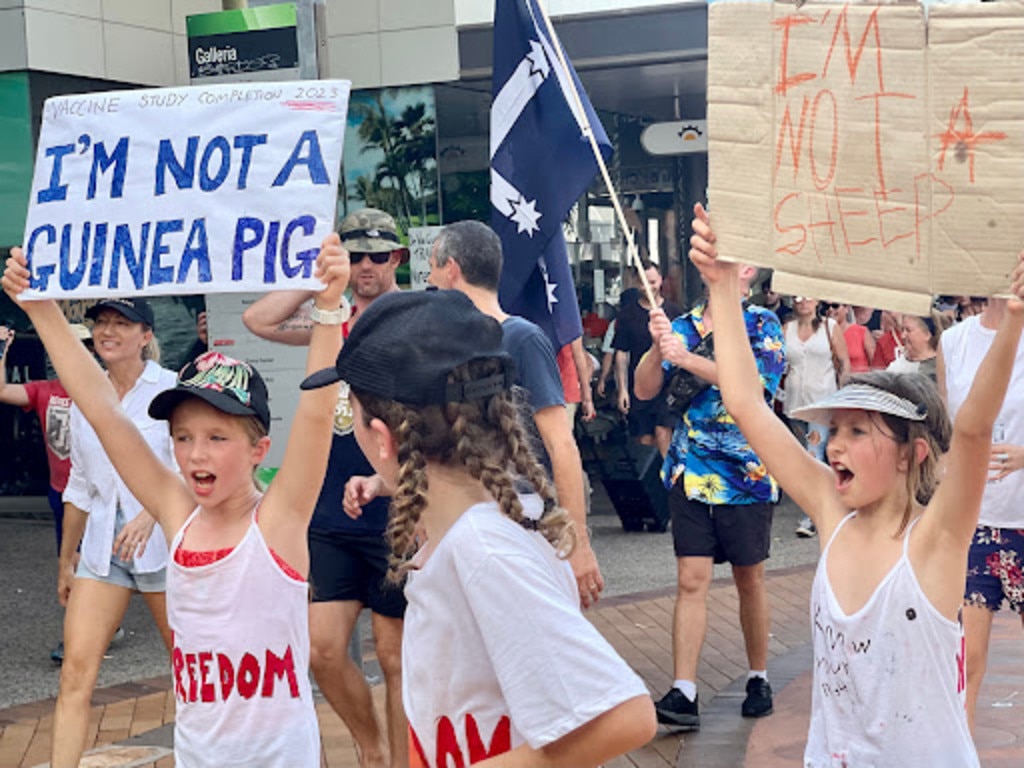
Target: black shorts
{"points": [[740, 534], [346, 566], [645, 415]]}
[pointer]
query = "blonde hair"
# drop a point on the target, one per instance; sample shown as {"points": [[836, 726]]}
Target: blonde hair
{"points": [[152, 349], [485, 437], [936, 430]]}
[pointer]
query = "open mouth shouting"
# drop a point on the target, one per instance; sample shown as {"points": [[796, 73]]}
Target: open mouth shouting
{"points": [[202, 483], [844, 477]]}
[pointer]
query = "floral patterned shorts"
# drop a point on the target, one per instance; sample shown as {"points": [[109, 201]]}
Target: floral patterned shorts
{"points": [[994, 569]]}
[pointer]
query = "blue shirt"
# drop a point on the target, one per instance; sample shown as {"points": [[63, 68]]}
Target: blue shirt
{"points": [[708, 451]]}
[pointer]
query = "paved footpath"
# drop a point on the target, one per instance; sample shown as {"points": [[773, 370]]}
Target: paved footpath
{"points": [[131, 724]]}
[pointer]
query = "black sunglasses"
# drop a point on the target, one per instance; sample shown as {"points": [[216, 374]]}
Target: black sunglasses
{"points": [[377, 258]]}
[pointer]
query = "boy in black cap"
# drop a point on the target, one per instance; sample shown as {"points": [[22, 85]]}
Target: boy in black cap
{"points": [[494, 641]]}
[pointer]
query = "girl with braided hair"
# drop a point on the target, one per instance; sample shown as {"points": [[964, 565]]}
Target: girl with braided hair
{"points": [[499, 665]]}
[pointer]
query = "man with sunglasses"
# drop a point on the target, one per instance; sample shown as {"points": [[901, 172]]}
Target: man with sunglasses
{"points": [[347, 551]]}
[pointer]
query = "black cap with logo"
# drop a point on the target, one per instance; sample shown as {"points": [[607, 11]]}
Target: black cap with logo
{"points": [[134, 308], [229, 385]]}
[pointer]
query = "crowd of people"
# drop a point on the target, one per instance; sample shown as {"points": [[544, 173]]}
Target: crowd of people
{"points": [[432, 476]]}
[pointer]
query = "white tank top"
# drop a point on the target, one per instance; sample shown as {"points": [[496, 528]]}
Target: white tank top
{"points": [[963, 348], [241, 661], [889, 680], [810, 375]]}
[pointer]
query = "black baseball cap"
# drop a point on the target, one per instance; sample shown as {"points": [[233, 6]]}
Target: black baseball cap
{"points": [[229, 385], [406, 344], [134, 308]]}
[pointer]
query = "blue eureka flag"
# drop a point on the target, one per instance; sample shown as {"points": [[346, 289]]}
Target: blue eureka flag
{"points": [[541, 163]]}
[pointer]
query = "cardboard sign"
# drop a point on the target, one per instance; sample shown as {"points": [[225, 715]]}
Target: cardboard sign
{"points": [[219, 188], [868, 153]]}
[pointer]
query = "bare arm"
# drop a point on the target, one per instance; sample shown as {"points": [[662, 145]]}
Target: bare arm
{"points": [[281, 317], [288, 505], [160, 489], [73, 530], [649, 376], [842, 351], [622, 392], [11, 394], [953, 511], [583, 372], [607, 359], [808, 482], [567, 468], [621, 729]]}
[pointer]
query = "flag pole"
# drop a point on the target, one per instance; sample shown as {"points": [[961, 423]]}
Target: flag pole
{"points": [[588, 131]]}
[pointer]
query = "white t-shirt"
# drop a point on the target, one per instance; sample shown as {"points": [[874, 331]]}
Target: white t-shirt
{"points": [[964, 346], [495, 651]]}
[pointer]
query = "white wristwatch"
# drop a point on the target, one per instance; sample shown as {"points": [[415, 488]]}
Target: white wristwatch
{"points": [[331, 316]]}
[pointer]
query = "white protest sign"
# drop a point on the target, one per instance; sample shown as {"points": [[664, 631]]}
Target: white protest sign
{"points": [[871, 154], [421, 241], [213, 188]]}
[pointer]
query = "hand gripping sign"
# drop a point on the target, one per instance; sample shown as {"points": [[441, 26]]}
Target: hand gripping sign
{"points": [[208, 189], [869, 153]]}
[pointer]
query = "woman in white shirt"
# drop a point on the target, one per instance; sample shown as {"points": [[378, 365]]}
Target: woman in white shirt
{"points": [[813, 345], [121, 550]]}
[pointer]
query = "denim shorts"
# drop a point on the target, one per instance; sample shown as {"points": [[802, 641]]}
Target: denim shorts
{"points": [[122, 574], [994, 569]]}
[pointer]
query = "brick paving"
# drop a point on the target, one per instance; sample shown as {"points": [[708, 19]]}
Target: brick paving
{"points": [[138, 717]]}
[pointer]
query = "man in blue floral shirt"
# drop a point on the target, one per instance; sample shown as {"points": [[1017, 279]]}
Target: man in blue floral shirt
{"points": [[720, 499]]}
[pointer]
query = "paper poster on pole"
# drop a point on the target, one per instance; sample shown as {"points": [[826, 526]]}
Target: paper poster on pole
{"points": [[870, 154], [206, 189], [421, 241]]}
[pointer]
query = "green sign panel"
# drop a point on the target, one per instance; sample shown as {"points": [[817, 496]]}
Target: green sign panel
{"points": [[243, 41]]}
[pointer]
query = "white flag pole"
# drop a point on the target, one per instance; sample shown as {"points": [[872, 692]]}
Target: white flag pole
{"points": [[588, 131]]}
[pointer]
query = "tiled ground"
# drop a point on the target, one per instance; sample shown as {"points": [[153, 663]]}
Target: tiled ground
{"points": [[138, 716]]}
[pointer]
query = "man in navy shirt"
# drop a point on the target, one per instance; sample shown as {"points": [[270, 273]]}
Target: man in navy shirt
{"points": [[467, 257]]}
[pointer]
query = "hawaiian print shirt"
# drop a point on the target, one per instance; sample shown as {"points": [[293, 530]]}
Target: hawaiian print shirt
{"points": [[708, 450]]}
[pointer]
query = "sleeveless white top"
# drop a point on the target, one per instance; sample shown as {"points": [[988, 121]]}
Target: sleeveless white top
{"points": [[241, 661], [810, 375], [889, 680], [964, 346]]}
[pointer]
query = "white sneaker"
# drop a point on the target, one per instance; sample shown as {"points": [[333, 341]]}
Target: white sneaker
{"points": [[806, 529]]}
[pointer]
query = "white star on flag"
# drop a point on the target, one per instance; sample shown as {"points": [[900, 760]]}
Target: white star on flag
{"points": [[525, 215], [548, 285], [538, 59]]}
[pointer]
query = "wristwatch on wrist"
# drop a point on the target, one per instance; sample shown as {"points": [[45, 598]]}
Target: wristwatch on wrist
{"points": [[331, 316]]}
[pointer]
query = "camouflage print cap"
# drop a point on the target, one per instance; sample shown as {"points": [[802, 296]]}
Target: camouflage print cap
{"points": [[370, 230]]}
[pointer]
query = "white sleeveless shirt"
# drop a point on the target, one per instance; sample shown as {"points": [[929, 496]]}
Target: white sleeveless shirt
{"points": [[889, 680], [241, 661], [810, 375]]}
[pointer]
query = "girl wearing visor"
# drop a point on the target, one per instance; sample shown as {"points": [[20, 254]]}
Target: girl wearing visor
{"points": [[237, 599], [885, 604]]}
